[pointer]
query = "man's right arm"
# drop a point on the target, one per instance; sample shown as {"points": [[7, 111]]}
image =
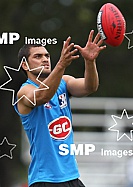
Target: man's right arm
{"points": [[52, 81]]}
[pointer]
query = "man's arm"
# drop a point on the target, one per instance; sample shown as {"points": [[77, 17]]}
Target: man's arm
{"points": [[52, 81], [89, 84]]}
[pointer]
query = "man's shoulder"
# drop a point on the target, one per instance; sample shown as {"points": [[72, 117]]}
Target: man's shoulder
{"points": [[25, 89], [67, 78]]}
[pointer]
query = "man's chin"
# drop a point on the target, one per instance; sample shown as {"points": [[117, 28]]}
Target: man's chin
{"points": [[44, 74]]}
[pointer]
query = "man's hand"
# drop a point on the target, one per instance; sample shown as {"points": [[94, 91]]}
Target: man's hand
{"points": [[67, 54], [92, 48]]}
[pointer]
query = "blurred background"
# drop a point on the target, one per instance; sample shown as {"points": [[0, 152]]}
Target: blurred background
{"points": [[60, 19]]}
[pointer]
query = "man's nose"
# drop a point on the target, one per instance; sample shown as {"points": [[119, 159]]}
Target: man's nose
{"points": [[44, 59]]}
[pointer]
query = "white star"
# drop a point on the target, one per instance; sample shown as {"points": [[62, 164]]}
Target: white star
{"points": [[6, 148], [118, 123], [129, 40], [10, 79]]}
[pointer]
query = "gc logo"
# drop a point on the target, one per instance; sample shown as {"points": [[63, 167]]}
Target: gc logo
{"points": [[60, 128]]}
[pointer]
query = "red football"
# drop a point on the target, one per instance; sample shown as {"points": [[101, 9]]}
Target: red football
{"points": [[111, 24]]}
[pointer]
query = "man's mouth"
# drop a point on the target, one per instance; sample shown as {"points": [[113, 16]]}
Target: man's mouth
{"points": [[46, 66]]}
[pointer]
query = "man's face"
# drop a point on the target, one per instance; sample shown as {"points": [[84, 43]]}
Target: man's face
{"points": [[39, 56]]}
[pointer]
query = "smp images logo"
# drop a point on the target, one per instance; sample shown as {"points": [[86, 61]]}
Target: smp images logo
{"points": [[9, 38], [123, 121]]}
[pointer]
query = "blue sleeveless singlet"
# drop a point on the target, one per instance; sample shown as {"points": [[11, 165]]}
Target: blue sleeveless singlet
{"points": [[47, 127]]}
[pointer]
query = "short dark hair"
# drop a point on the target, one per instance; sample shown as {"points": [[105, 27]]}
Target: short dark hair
{"points": [[25, 52]]}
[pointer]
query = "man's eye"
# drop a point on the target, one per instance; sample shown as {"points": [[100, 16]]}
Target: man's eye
{"points": [[47, 55], [37, 56]]}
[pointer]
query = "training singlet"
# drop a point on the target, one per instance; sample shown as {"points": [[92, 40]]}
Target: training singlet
{"points": [[48, 128]]}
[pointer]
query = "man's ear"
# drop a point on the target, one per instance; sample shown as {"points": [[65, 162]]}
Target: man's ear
{"points": [[25, 66]]}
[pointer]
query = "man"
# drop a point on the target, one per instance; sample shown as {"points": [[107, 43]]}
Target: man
{"points": [[48, 123]]}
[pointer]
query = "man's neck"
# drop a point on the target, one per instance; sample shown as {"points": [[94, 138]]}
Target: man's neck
{"points": [[34, 79]]}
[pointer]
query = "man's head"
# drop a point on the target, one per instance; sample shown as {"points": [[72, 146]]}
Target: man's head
{"points": [[36, 56]]}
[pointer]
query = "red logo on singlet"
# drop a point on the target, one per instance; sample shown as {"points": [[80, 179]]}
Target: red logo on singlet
{"points": [[60, 128]]}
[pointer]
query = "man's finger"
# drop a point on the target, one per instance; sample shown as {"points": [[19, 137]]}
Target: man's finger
{"points": [[103, 47], [96, 39], [66, 43], [100, 42], [90, 36], [70, 47], [74, 51], [78, 47]]}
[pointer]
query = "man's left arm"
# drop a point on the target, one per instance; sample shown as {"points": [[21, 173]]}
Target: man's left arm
{"points": [[79, 87]]}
